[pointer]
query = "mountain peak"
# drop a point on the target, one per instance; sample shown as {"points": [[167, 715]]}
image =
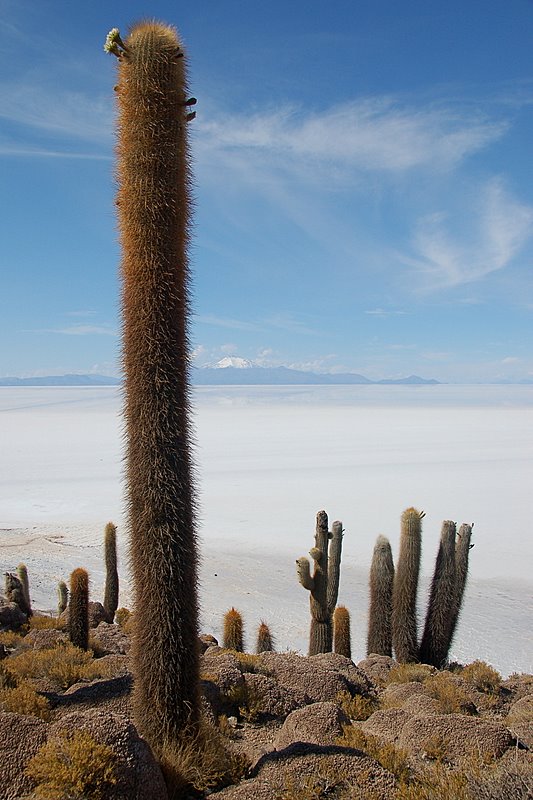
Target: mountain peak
{"points": [[233, 361]]}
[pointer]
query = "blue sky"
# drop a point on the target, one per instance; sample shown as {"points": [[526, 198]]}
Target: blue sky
{"points": [[363, 183]]}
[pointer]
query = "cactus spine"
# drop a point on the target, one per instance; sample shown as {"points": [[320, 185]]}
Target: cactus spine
{"points": [[154, 221], [379, 638], [323, 585], [22, 572], [436, 637], [78, 609], [111, 572], [404, 621], [62, 597], [233, 631], [341, 632], [265, 643]]}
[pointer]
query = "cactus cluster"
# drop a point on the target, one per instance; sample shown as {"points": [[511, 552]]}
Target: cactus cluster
{"points": [[393, 624], [323, 584]]}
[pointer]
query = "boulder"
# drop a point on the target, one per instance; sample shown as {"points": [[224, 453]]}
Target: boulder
{"points": [[45, 639], [459, 736], [377, 667], [269, 698], [20, 737], [319, 677], [307, 770], [111, 639], [387, 724], [139, 776], [319, 723]]}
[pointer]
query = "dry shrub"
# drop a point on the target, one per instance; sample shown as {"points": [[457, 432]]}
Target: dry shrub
{"points": [[357, 707], [436, 749], [43, 622], [483, 676], [408, 673], [73, 767], [64, 665], [452, 698], [250, 663], [326, 782], [436, 783], [124, 619], [246, 701], [201, 761], [23, 699], [7, 679], [11, 639], [391, 758]]}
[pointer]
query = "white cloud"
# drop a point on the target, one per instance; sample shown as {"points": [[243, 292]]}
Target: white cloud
{"points": [[374, 134], [381, 312], [500, 228], [80, 330]]}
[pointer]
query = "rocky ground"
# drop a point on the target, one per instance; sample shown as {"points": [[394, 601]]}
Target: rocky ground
{"points": [[296, 726]]}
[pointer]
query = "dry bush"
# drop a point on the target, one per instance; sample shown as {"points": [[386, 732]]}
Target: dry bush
{"points": [[391, 758], [73, 767], [202, 761], [11, 639], [436, 783], [43, 622], [483, 676], [64, 665], [325, 783], [249, 662], [124, 619], [23, 699], [245, 701], [7, 679], [436, 749], [452, 698], [357, 707], [408, 673]]}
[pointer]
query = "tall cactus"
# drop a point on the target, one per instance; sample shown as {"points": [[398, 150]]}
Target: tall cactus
{"points": [[78, 609], [462, 551], [436, 638], [379, 638], [323, 585], [233, 636], [265, 642], [404, 619], [154, 221], [111, 571]]}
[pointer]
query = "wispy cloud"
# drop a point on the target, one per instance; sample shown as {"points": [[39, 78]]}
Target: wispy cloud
{"points": [[371, 134], [381, 312], [79, 330], [227, 322], [501, 226]]}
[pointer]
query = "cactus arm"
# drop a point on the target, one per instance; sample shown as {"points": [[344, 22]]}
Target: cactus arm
{"points": [[303, 570], [334, 565]]}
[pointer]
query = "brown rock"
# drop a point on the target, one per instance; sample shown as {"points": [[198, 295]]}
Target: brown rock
{"points": [[11, 617], [108, 695], [387, 724], [96, 615], [397, 693], [307, 768], [139, 776], [420, 705], [319, 678], [20, 738], [45, 639], [269, 698], [205, 640], [377, 667], [460, 736], [319, 723], [111, 639]]}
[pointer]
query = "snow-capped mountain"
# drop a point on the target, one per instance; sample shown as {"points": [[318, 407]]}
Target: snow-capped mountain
{"points": [[232, 361]]}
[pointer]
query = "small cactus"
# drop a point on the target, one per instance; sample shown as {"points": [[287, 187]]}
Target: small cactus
{"points": [[111, 578], [323, 585], [379, 638], [341, 632], [264, 639], [233, 631], [62, 597], [404, 620], [78, 610], [22, 572]]}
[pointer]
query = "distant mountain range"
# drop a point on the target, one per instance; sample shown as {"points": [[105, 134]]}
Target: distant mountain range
{"points": [[230, 371]]}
